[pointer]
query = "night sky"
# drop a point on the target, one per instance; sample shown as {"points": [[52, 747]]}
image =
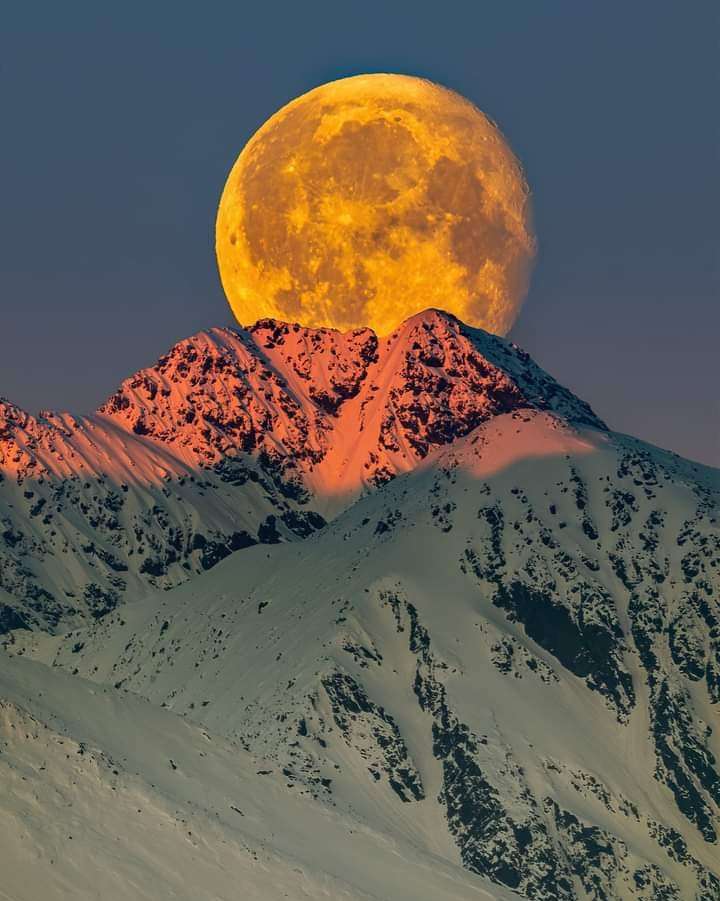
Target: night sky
{"points": [[119, 123]]}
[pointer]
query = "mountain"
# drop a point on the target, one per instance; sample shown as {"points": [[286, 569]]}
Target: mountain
{"points": [[90, 811], [235, 438], [494, 671]]}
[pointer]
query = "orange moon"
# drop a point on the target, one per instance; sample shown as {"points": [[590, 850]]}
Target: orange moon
{"points": [[372, 198]]}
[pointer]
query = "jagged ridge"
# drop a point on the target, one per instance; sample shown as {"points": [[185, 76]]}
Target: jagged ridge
{"points": [[236, 437]]}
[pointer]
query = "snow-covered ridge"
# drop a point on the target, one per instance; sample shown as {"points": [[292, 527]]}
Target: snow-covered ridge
{"points": [[235, 437], [283, 390], [508, 657], [493, 663]]}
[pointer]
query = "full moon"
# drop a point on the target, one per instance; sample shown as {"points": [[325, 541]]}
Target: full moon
{"points": [[372, 198]]}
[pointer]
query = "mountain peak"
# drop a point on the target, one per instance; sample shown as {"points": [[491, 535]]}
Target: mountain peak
{"points": [[565, 576], [337, 410], [432, 317], [12, 415], [240, 436]]}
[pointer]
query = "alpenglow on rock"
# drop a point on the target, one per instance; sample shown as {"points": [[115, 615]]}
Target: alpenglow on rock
{"points": [[235, 438]]}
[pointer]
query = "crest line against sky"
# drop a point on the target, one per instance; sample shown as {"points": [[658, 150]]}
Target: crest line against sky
{"points": [[120, 125]]}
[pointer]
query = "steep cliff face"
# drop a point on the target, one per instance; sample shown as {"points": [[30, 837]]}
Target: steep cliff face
{"points": [[235, 438]]}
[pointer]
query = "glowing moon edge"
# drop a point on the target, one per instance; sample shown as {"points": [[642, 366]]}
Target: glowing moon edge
{"points": [[369, 199]]}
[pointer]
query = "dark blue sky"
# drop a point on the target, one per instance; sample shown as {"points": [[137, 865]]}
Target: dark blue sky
{"points": [[119, 122]]}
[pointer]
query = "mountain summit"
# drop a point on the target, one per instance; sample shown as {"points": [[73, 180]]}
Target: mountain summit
{"points": [[450, 619], [235, 437]]}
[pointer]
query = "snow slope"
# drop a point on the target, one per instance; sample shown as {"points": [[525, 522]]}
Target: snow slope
{"points": [[507, 657], [106, 796]]}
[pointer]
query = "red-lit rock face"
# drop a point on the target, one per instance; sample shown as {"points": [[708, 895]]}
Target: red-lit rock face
{"points": [[239, 437], [335, 410]]}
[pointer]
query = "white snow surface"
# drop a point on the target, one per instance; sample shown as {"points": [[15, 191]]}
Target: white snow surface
{"points": [[495, 674], [105, 796]]}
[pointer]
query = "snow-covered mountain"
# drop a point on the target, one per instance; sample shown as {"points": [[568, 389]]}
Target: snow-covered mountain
{"points": [[103, 795], [234, 438], [497, 665]]}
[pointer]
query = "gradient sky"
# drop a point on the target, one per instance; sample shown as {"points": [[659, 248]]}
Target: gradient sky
{"points": [[119, 123]]}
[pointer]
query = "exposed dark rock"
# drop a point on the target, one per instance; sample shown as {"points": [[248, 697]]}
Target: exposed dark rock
{"points": [[373, 732]]}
